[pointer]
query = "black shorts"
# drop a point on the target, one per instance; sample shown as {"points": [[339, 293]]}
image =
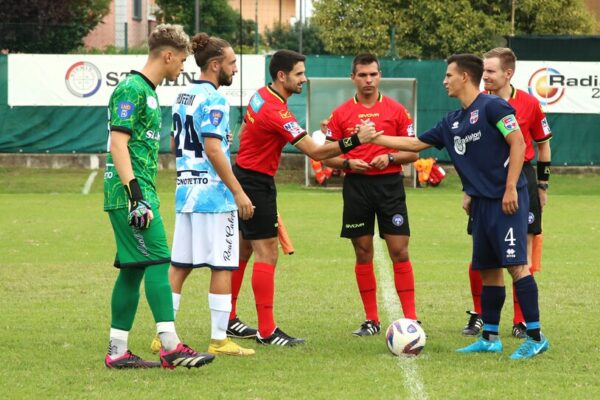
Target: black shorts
{"points": [[366, 196], [261, 190], [534, 219]]}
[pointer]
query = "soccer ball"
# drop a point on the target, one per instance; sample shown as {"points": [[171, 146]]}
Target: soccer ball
{"points": [[405, 337]]}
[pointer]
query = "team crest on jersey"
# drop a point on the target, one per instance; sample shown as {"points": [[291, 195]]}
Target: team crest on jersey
{"points": [[510, 123], [293, 128], [285, 114], [474, 117], [215, 117], [530, 218], [397, 220], [256, 102], [125, 109], [152, 103]]}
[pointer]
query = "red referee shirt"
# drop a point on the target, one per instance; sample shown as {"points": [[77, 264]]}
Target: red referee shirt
{"points": [[387, 115], [531, 119], [269, 127]]}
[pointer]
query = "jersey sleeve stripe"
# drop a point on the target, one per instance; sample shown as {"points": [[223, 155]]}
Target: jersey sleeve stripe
{"points": [[121, 129], [298, 138]]}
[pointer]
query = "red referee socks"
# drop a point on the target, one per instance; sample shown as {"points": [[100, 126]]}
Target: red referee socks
{"points": [[237, 277], [367, 286], [263, 284], [405, 287]]}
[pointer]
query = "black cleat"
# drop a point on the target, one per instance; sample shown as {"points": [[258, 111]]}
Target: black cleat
{"points": [[473, 327], [184, 356], [279, 338], [238, 329], [519, 330], [368, 328], [129, 360]]}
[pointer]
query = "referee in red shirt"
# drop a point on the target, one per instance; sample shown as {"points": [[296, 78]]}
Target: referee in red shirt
{"points": [[373, 186], [498, 69], [268, 127]]}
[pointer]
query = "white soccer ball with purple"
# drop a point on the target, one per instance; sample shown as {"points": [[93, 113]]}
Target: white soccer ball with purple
{"points": [[405, 337]]}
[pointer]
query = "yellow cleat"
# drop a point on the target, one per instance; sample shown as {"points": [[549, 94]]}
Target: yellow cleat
{"points": [[228, 347], [155, 345]]}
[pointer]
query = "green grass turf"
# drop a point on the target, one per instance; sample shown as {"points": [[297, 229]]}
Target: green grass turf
{"points": [[57, 248]]}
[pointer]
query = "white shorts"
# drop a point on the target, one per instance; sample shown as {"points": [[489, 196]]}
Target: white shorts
{"points": [[206, 240]]}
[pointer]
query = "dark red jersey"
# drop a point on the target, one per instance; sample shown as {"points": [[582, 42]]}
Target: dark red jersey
{"points": [[531, 119], [387, 115], [269, 127]]}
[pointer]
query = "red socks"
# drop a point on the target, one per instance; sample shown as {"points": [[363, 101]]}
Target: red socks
{"points": [[237, 277], [405, 287], [367, 286], [263, 284], [476, 288]]}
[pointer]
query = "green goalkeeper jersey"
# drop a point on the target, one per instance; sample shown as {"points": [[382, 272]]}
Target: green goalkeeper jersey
{"points": [[133, 109]]}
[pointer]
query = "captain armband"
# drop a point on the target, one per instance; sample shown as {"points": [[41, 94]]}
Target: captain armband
{"points": [[543, 170], [348, 143]]}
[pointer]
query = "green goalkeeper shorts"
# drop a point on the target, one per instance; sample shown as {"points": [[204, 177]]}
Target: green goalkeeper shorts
{"points": [[139, 248]]}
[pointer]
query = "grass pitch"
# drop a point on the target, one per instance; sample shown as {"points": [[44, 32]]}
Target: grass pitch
{"points": [[57, 248]]}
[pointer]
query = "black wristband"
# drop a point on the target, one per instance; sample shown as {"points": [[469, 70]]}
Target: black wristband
{"points": [[133, 190], [346, 164], [348, 143], [543, 170]]}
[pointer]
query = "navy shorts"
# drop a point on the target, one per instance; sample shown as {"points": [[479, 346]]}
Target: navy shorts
{"points": [[261, 190], [499, 240], [534, 220], [366, 196]]}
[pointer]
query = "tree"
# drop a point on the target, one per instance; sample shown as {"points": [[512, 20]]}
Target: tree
{"points": [[437, 28], [284, 36], [48, 26], [217, 18]]}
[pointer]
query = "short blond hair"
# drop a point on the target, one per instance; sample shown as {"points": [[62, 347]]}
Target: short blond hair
{"points": [[508, 59], [167, 35]]}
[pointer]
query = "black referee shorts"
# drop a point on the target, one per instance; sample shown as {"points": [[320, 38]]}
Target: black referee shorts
{"points": [[367, 196], [261, 190]]}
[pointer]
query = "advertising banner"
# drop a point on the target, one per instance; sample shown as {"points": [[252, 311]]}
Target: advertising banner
{"points": [[560, 86], [89, 80]]}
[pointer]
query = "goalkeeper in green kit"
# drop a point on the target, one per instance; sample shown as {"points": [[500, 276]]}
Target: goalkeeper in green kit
{"points": [[132, 204]]}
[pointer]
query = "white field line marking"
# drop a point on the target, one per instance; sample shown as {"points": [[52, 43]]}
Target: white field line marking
{"points": [[89, 182], [412, 379]]}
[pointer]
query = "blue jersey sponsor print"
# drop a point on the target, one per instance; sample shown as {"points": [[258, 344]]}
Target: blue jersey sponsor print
{"points": [[474, 139], [200, 112]]}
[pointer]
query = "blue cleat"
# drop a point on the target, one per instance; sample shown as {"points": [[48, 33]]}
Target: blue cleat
{"points": [[530, 348], [483, 346]]}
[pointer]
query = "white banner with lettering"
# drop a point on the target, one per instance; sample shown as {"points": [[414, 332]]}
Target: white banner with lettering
{"points": [[89, 80], [561, 86]]}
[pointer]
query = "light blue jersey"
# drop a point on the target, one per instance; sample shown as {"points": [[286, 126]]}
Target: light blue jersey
{"points": [[200, 112]]}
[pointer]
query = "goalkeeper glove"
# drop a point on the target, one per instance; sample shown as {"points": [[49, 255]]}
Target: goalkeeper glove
{"points": [[140, 212]]}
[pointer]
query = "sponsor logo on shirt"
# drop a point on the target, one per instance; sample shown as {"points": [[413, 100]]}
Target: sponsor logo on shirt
{"points": [[293, 128], [510, 123], [368, 115], [215, 117], [546, 127], [474, 117], [152, 103], [460, 144], [256, 102], [285, 114], [125, 109], [455, 125], [410, 130]]}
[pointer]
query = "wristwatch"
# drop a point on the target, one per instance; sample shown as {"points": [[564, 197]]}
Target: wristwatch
{"points": [[543, 186], [391, 158]]}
